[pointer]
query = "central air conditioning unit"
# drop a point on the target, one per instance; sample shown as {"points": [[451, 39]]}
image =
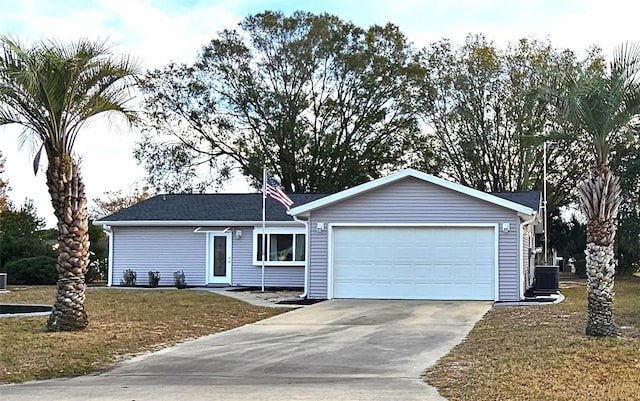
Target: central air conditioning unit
{"points": [[3, 281]]}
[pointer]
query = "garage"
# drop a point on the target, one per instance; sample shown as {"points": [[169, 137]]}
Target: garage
{"points": [[411, 235], [414, 262]]}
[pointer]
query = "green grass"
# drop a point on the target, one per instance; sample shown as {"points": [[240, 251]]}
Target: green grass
{"points": [[541, 353], [122, 323]]}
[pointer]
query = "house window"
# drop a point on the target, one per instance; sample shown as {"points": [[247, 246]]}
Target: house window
{"points": [[283, 248]]}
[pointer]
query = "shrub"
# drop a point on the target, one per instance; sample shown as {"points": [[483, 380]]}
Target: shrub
{"points": [[128, 278], [38, 270], [97, 270], [154, 278], [179, 279]]}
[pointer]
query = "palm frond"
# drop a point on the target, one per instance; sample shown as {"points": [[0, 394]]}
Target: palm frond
{"points": [[602, 105], [52, 88], [626, 62]]}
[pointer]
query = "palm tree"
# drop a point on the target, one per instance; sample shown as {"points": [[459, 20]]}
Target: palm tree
{"points": [[51, 89], [604, 106]]}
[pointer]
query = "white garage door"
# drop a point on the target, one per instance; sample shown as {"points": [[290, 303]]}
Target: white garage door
{"points": [[414, 263]]}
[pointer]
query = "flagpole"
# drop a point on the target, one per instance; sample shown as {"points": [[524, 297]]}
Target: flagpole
{"points": [[264, 218]]}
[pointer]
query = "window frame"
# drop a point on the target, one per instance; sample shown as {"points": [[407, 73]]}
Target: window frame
{"points": [[279, 230]]}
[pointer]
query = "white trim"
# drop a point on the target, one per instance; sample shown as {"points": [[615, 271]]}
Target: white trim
{"points": [[330, 257], [191, 223], [351, 192], [109, 232], [212, 230], [278, 230], [211, 279], [496, 246], [415, 224], [307, 239], [496, 261], [520, 251]]}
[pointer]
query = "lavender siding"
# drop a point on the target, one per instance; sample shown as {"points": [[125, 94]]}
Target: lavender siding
{"points": [[414, 201], [163, 249], [245, 273], [168, 249]]}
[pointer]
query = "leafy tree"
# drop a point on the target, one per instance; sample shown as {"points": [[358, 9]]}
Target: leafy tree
{"points": [[21, 234], [567, 237], [320, 102], [98, 262], [625, 163], [4, 186], [602, 106], [172, 167], [112, 201], [480, 104], [51, 89]]}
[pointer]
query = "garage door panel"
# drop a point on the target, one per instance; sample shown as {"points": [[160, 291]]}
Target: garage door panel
{"points": [[414, 262]]}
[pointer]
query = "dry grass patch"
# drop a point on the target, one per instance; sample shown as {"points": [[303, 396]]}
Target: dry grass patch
{"points": [[541, 353], [122, 322]]}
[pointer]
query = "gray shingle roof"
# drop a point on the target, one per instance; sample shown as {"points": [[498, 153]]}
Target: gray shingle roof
{"points": [[208, 207], [242, 207], [527, 198]]}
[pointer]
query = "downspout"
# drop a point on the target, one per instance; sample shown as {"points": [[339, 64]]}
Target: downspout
{"points": [[107, 229], [306, 255], [520, 236]]}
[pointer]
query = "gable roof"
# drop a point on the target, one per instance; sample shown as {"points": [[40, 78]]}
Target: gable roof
{"points": [[351, 192], [204, 209]]}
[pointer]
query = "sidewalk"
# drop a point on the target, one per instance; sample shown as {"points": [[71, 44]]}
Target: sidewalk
{"points": [[268, 298]]}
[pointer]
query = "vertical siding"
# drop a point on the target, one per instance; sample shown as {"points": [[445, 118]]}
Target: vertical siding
{"points": [[245, 273], [163, 249], [414, 201]]}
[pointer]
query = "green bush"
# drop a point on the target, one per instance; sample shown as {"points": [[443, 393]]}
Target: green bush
{"points": [[38, 270], [154, 278], [97, 270], [179, 279], [129, 277]]}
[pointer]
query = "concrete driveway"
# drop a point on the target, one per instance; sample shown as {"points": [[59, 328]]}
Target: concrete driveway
{"points": [[334, 350]]}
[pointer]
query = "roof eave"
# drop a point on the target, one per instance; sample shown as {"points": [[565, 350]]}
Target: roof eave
{"points": [[189, 223]]}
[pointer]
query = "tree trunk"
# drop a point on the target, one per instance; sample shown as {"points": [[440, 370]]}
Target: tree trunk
{"points": [[600, 200], [601, 270], [70, 208]]}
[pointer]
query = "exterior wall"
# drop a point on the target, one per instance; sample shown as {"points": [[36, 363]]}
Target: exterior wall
{"points": [[168, 249], [163, 249], [245, 273], [414, 201]]}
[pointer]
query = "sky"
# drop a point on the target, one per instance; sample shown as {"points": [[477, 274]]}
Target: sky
{"points": [[158, 32]]}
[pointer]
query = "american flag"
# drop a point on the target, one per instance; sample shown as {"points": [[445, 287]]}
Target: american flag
{"points": [[277, 194]]}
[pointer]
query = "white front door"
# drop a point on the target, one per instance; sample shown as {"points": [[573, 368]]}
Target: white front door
{"points": [[219, 258]]}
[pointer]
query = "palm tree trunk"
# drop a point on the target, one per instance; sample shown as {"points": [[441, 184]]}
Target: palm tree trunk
{"points": [[70, 208], [600, 200]]}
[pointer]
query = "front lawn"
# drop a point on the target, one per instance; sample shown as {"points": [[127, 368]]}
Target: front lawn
{"points": [[122, 322], [541, 353]]}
